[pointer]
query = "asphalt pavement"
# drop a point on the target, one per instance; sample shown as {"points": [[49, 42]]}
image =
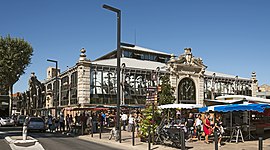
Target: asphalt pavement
{"points": [[58, 141], [54, 141]]}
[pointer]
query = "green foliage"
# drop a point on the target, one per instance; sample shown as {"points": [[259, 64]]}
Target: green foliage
{"points": [[15, 54], [165, 95], [147, 121]]}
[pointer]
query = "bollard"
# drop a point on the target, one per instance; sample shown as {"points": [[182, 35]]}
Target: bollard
{"points": [[149, 138], [24, 133], [180, 139], [133, 135], [216, 139], [119, 133], [92, 130], [260, 143], [183, 144], [82, 128], [100, 131]]}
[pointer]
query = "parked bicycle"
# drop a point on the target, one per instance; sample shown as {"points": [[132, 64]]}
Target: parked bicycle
{"points": [[114, 133]]}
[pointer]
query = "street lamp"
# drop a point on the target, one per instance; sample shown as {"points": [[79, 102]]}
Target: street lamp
{"points": [[56, 84], [123, 84], [118, 63]]}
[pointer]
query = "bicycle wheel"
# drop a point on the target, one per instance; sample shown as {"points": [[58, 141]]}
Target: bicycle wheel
{"points": [[111, 135]]}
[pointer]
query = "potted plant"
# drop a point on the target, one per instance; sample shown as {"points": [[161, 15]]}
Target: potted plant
{"points": [[149, 121]]}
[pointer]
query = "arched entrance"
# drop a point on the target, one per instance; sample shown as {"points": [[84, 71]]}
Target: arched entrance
{"points": [[187, 91]]}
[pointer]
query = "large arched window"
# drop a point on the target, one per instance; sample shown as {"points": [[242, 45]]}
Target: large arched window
{"points": [[187, 91]]}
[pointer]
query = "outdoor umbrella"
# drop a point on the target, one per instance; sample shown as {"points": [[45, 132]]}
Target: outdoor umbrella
{"points": [[235, 107], [180, 106]]}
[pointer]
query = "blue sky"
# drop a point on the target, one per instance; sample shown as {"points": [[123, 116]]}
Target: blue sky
{"points": [[230, 36]]}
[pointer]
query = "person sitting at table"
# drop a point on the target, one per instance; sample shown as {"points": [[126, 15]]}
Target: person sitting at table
{"points": [[207, 128]]}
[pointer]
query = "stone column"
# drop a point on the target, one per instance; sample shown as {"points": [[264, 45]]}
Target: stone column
{"points": [[200, 91], [254, 84], [83, 87]]}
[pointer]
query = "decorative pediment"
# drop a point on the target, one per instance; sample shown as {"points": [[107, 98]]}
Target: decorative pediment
{"points": [[186, 62]]}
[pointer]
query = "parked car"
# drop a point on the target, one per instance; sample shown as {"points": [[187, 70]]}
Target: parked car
{"points": [[20, 120], [6, 121], [35, 123]]}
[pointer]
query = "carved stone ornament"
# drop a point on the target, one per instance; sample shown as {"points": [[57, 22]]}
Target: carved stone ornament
{"points": [[186, 62]]}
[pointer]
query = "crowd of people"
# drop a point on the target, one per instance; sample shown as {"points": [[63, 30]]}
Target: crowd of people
{"points": [[197, 126], [194, 125], [92, 120]]}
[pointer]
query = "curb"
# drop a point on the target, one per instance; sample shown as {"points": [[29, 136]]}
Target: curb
{"points": [[18, 144]]}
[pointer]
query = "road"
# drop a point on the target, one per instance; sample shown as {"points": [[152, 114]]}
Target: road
{"points": [[52, 141]]}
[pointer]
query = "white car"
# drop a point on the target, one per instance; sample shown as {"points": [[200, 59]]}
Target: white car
{"points": [[35, 123], [6, 121]]}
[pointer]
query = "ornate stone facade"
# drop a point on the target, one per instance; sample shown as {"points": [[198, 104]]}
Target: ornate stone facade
{"points": [[94, 82], [187, 67]]}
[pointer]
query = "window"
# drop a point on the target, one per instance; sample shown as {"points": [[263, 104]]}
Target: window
{"points": [[152, 57], [126, 54], [145, 56]]}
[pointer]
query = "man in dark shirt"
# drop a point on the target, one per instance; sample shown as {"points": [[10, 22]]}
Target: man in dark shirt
{"points": [[190, 125]]}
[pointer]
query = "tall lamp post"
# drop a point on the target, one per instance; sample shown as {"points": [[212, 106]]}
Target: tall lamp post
{"points": [[56, 84], [118, 12]]}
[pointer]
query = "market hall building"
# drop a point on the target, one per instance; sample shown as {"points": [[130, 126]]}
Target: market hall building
{"points": [[93, 82]]}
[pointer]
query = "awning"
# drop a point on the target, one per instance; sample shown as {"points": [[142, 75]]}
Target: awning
{"points": [[235, 107], [210, 102], [133, 106], [180, 106], [243, 97]]}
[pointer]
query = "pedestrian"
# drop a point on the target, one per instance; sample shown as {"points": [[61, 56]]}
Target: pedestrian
{"points": [[49, 122], [71, 120], [219, 129], [62, 123], [56, 125], [89, 123], [124, 118], [83, 121], [68, 122], [77, 118], [130, 122], [137, 122], [190, 126], [198, 126], [207, 128]]}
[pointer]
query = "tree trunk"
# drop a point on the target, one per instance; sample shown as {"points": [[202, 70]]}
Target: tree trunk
{"points": [[10, 100]]}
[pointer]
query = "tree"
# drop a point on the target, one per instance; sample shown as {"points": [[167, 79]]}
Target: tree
{"points": [[165, 95], [149, 120], [15, 54]]}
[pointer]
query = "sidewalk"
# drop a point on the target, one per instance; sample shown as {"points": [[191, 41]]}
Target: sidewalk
{"points": [[198, 145]]}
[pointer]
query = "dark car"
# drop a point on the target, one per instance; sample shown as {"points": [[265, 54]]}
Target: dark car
{"points": [[20, 120], [36, 123]]}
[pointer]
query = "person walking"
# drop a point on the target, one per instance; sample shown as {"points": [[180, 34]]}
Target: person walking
{"points": [[68, 122], [89, 123], [49, 122], [130, 122], [198, 126], [77, 119], [219, 129], [207, 128], [62, 123], [124, 118], [190, 126]]}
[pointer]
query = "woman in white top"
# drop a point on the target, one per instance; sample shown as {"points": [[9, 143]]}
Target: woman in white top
{"points": [[198, 125], [130, 122]]}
